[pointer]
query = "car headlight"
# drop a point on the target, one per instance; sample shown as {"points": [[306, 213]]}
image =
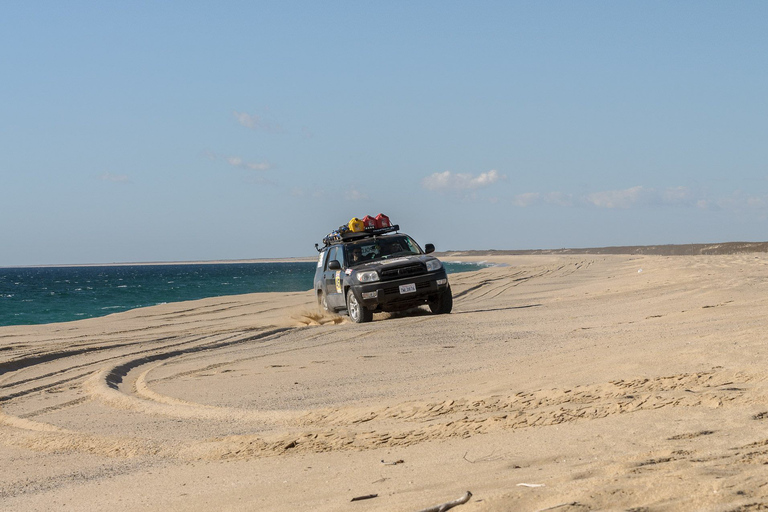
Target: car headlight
{"points": [[433, 265], [370, 276]]}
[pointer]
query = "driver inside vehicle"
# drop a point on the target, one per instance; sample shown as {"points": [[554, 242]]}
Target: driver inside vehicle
{"points": [[357, 255]]}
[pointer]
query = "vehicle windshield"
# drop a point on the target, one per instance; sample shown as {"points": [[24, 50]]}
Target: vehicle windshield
{"points": [[382, 248]]}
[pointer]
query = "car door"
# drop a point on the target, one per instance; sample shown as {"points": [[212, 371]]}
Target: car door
{"points": [[319, 278], [333, 278], [339, 277]]}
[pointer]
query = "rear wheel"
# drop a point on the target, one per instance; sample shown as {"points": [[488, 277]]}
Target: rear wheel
{"points": [[357, 311], [444, 303], [322, 303]]}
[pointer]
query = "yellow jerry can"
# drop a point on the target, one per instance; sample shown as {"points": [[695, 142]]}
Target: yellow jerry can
{"points": [[356, 225]]}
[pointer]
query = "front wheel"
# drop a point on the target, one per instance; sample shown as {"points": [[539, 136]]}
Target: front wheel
{"points": [[357, 311], [444, 303]]}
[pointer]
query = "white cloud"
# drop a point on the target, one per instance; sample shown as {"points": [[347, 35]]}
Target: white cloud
{"points": [[255, 122], [616, 199], [247, 120], [526, 199], [620, 199], [642, 196], [740, 202], [531, 198], [758, 203], [236, 161], [308, 192], [459, 181], [559, 199], [678, 195], [353, 194], [115, 178]]}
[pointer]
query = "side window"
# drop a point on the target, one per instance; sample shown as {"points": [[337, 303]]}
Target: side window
{"points": [[320, 259], [331, 256], [413, 246], [340, 256]]}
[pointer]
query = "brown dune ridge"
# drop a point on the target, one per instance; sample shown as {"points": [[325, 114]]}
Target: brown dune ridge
{"points": [[658, 250], [559, 382]]}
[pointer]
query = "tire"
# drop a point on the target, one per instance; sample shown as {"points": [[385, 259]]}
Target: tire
{"points": [[357, 311], [444, 303], [322, 304]]}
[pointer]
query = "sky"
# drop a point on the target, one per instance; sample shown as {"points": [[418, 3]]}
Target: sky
{"points": [[199, 130]]}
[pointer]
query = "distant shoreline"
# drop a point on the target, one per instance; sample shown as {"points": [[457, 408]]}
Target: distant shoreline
{"points": [[657, 250], [652, 250]]}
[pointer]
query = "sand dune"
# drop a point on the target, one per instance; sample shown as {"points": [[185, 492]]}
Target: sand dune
{"points": [[560, 382]]}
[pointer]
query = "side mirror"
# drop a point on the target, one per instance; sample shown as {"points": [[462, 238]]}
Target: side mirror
{"points": [[429, 248], [334, 265]]}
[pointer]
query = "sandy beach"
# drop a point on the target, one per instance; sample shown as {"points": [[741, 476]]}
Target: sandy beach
{"points": [[564, 382]]}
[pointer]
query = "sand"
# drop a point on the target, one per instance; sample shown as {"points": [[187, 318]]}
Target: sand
{"points": [[559, 382]]}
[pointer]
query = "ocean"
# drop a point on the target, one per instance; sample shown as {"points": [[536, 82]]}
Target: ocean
{"points": [[40, 295]]}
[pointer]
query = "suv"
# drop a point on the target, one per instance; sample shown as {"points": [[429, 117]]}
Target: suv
{"points": [[379, 270]]}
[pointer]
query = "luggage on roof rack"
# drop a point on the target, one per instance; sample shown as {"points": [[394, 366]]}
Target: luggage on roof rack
{"points": [[345, 235], [356, 225], [382, 221], [369, 222]]}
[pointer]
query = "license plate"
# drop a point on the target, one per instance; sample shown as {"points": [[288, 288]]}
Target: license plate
{"points": [[407, 288]]}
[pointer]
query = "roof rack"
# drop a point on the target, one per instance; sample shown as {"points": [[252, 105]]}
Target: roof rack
{"points": [[338, 236]]}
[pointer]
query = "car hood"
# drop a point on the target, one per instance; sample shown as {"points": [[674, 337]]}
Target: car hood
{"points": [[394, 262]]}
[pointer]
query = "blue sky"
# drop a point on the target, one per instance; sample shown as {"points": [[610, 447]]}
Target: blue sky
{"points": [[162, 131]]}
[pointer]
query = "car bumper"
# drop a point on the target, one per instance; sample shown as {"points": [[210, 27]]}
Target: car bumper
{"points": [[402, 293]]}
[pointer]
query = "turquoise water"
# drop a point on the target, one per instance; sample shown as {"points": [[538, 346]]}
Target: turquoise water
{"points": [[42, 295]]}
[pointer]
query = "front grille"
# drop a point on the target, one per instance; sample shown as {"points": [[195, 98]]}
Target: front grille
{"points": [[395, 290], [398, 272]]}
